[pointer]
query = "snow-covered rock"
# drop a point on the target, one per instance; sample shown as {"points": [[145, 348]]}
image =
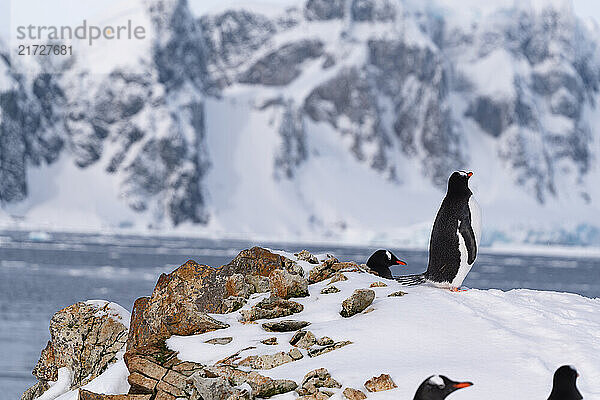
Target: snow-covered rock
{"points": [[507, 343]]}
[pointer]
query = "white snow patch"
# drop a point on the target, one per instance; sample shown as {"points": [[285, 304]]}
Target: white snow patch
{"points": [[530, 333]]}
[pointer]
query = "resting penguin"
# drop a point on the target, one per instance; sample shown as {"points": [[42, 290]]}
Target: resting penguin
{"points": [[454, 238], [437, 387], [381, 261], [564, 384]]}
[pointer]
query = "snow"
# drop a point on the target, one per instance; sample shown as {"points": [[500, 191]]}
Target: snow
{"points": [[111, 381], [60, 386], [508, 343], [114, 311]]}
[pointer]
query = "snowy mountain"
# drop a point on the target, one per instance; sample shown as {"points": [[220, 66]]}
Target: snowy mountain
{"points": [[327, 119]]}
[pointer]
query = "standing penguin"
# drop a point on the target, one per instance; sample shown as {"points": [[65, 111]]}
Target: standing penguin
{"points": [[438, 387], [381, 261], [564, 385], [454, 238]]}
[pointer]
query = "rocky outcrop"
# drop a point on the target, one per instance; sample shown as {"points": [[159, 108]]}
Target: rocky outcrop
{"points": [[303, 339], [85, 338], [380, 383], [181, 300], [319, 350], [87, 395], [286, 285], [358, 302], [315, 380], [329, 289], [305, 255], [285, 325], [269, 361], [398, 293], [330, 267], [354, 394], [271, 307]]}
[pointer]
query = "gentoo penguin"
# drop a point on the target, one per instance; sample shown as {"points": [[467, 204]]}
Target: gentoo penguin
{"points": [[381, 261], [454, 238], [437, 387], [564, 385]]}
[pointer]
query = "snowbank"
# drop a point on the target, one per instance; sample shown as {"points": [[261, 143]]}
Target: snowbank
{"points": [[507, 343]]}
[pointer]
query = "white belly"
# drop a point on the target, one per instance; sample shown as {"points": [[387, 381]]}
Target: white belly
{"points": [[464, 267]]}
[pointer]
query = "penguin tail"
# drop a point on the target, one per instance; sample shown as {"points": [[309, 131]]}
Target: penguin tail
{"points": [[411, 280]]}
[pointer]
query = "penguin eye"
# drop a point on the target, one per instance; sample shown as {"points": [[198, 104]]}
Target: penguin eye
{"points": [[389, 255]]}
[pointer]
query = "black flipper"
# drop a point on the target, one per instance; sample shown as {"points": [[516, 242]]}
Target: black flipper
{"points": [[411, 280], [466, 231]]}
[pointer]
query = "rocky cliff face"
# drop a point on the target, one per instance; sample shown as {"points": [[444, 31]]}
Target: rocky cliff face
{"points": [[402, 88]]}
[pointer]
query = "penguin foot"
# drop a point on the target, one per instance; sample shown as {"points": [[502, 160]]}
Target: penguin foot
{"points": [[454, 289]]}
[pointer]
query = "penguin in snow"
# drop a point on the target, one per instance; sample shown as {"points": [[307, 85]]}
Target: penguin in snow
{"points": [[438, 387], [454, 238], [381, 261], [564, 384]]}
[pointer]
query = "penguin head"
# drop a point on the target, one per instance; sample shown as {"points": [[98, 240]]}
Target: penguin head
{"points": [[564, 383], [381, 261], [438, 387], [458, 183]]}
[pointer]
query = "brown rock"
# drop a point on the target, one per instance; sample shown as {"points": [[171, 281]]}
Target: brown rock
{"points": [[46, 368], [87, 395], [236, 286], [232, 304], [328, 268], [380, 383], [160, 395], [338, 277], [303, 339], [181, 299], [399, 293], [315, 396], [329, 289], [269, 361], [272, 307], [263, 386], [221, 340], [175, 378], [354, 394], [305, 255], [325, 341], [286, 325], [144, 366], [378, 284], [178, 305], [360, 300], [211, 388], [35, 391], [141, 384], [317, 351], [316, 379], [287, 285], [171, 389], [85, 337], [270, 341], [187, 368]]}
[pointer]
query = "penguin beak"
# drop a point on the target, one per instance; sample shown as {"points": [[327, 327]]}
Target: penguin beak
{"points": [[461, 385], [469, 174], [400, 262]]}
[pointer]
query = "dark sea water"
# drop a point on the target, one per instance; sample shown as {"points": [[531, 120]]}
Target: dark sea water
{"points": [[40, 275]]}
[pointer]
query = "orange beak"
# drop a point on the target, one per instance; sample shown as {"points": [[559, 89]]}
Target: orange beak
{"points": [[400, 262], [461, 385], [469, 174]]}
